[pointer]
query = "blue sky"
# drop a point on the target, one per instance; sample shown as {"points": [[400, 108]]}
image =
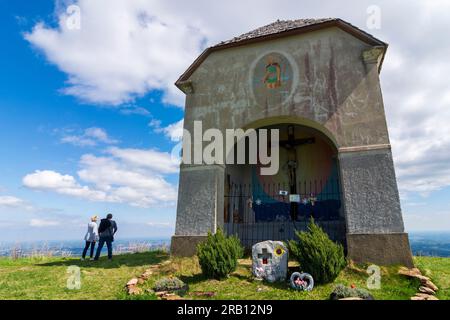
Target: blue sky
{"points": [[77, 104], [36, 116]]}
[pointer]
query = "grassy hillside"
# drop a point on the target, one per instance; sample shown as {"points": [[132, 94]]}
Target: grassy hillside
{"points": [[46, 278]]}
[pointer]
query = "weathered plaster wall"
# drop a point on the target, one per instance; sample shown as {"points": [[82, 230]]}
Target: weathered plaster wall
{"points": [[331, 86], [370, 192], [326, 85], [199, 200]]}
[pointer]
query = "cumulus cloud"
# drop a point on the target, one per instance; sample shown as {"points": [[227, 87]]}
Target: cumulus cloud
{"points": [[63, 184], [89, 138], [150, 159], [120, 177], [122, 50]]}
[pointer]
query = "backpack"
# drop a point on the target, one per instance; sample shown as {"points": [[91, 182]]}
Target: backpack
{"points": [[104, 225]]}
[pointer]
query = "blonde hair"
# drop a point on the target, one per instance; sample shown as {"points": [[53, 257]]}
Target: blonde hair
{"points": [[94, 218]]}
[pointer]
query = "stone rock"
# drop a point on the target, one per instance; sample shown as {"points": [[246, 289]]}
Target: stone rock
{"points": [[412, 273], [426, 290], [351, 298], [161, 293], [430, 285], [133, 290], [424, 296], [132, 282], [207, 294], [147, 274], [270, 261], [171, 297], [409, 272]]}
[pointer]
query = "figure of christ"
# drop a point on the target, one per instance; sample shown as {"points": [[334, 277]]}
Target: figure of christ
{"points": [[292, 164]]}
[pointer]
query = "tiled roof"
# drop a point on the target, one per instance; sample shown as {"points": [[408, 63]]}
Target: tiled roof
{"points": [[276, 27], [282, 28]]}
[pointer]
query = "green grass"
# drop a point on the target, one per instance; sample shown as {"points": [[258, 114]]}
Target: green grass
{"points": [[46, 278], [438, 269], [240, 285]]}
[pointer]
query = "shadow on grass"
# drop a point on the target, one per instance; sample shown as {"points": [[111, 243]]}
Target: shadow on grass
{"points": [[197, 278], [128, 260]]}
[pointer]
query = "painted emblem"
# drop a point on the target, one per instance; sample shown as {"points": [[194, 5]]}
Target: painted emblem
{"points": [[272, 79]]}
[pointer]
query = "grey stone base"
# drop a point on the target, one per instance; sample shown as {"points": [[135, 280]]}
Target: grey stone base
{"points": [[380, 249], [185, 246]]}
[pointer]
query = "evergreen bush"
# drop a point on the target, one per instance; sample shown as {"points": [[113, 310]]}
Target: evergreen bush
{"points": [[171, 284], [341, 292], [317, 254], [218, 255]]}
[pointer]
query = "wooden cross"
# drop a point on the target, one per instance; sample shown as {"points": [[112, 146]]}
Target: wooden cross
{"points": [[290, 144]]}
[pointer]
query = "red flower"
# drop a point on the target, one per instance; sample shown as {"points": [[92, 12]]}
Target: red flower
{"points": [[353, 286]]}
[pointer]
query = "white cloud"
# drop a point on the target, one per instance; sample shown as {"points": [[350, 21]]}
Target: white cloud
{"points": [[423, 220], [48, 180], [160, 224], [89, 138], [131, 176], [134, 110], [10, 201], [42, 223], [99, 134], [78, 141], [123, 49], [150, 159], [174, 131]]}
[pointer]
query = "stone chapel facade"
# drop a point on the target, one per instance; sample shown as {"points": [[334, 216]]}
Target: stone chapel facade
{"points": [[323, 80]]}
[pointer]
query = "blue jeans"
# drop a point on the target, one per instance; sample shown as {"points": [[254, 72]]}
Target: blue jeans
{"points": [[101, 243], [89, 244]]}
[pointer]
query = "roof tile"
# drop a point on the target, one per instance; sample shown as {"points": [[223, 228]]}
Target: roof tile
{"points": [[274, 28]]}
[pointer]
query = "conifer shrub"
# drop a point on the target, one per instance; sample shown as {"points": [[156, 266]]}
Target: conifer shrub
{"points": [[171, 284], [342, 292], [317, 254], [218, 255]]}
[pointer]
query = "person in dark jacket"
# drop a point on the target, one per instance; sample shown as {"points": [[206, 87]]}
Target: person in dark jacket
{"points": [[106, 230]]}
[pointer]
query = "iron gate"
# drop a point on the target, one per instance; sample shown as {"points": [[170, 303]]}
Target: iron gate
{"points": [[266, 212]]}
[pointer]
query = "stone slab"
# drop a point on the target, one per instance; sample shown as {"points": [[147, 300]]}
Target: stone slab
{"points": [[380, 249], [185, 246], [371, 199], [270, 261]]}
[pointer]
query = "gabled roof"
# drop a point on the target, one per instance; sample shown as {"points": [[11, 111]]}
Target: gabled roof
{"points": [[279, 29]]}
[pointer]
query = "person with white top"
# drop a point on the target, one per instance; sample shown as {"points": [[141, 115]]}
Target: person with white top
{"points": [[91, 237]]}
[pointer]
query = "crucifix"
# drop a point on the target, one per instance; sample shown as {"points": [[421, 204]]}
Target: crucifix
{"points": [[265, 256], [290, 145]]}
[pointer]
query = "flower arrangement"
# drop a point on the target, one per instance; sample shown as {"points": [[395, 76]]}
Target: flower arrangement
{"points": [[302, 281]]}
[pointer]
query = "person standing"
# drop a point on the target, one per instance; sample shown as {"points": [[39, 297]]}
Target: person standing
{"points": [[91, 237], [107, 230]]}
